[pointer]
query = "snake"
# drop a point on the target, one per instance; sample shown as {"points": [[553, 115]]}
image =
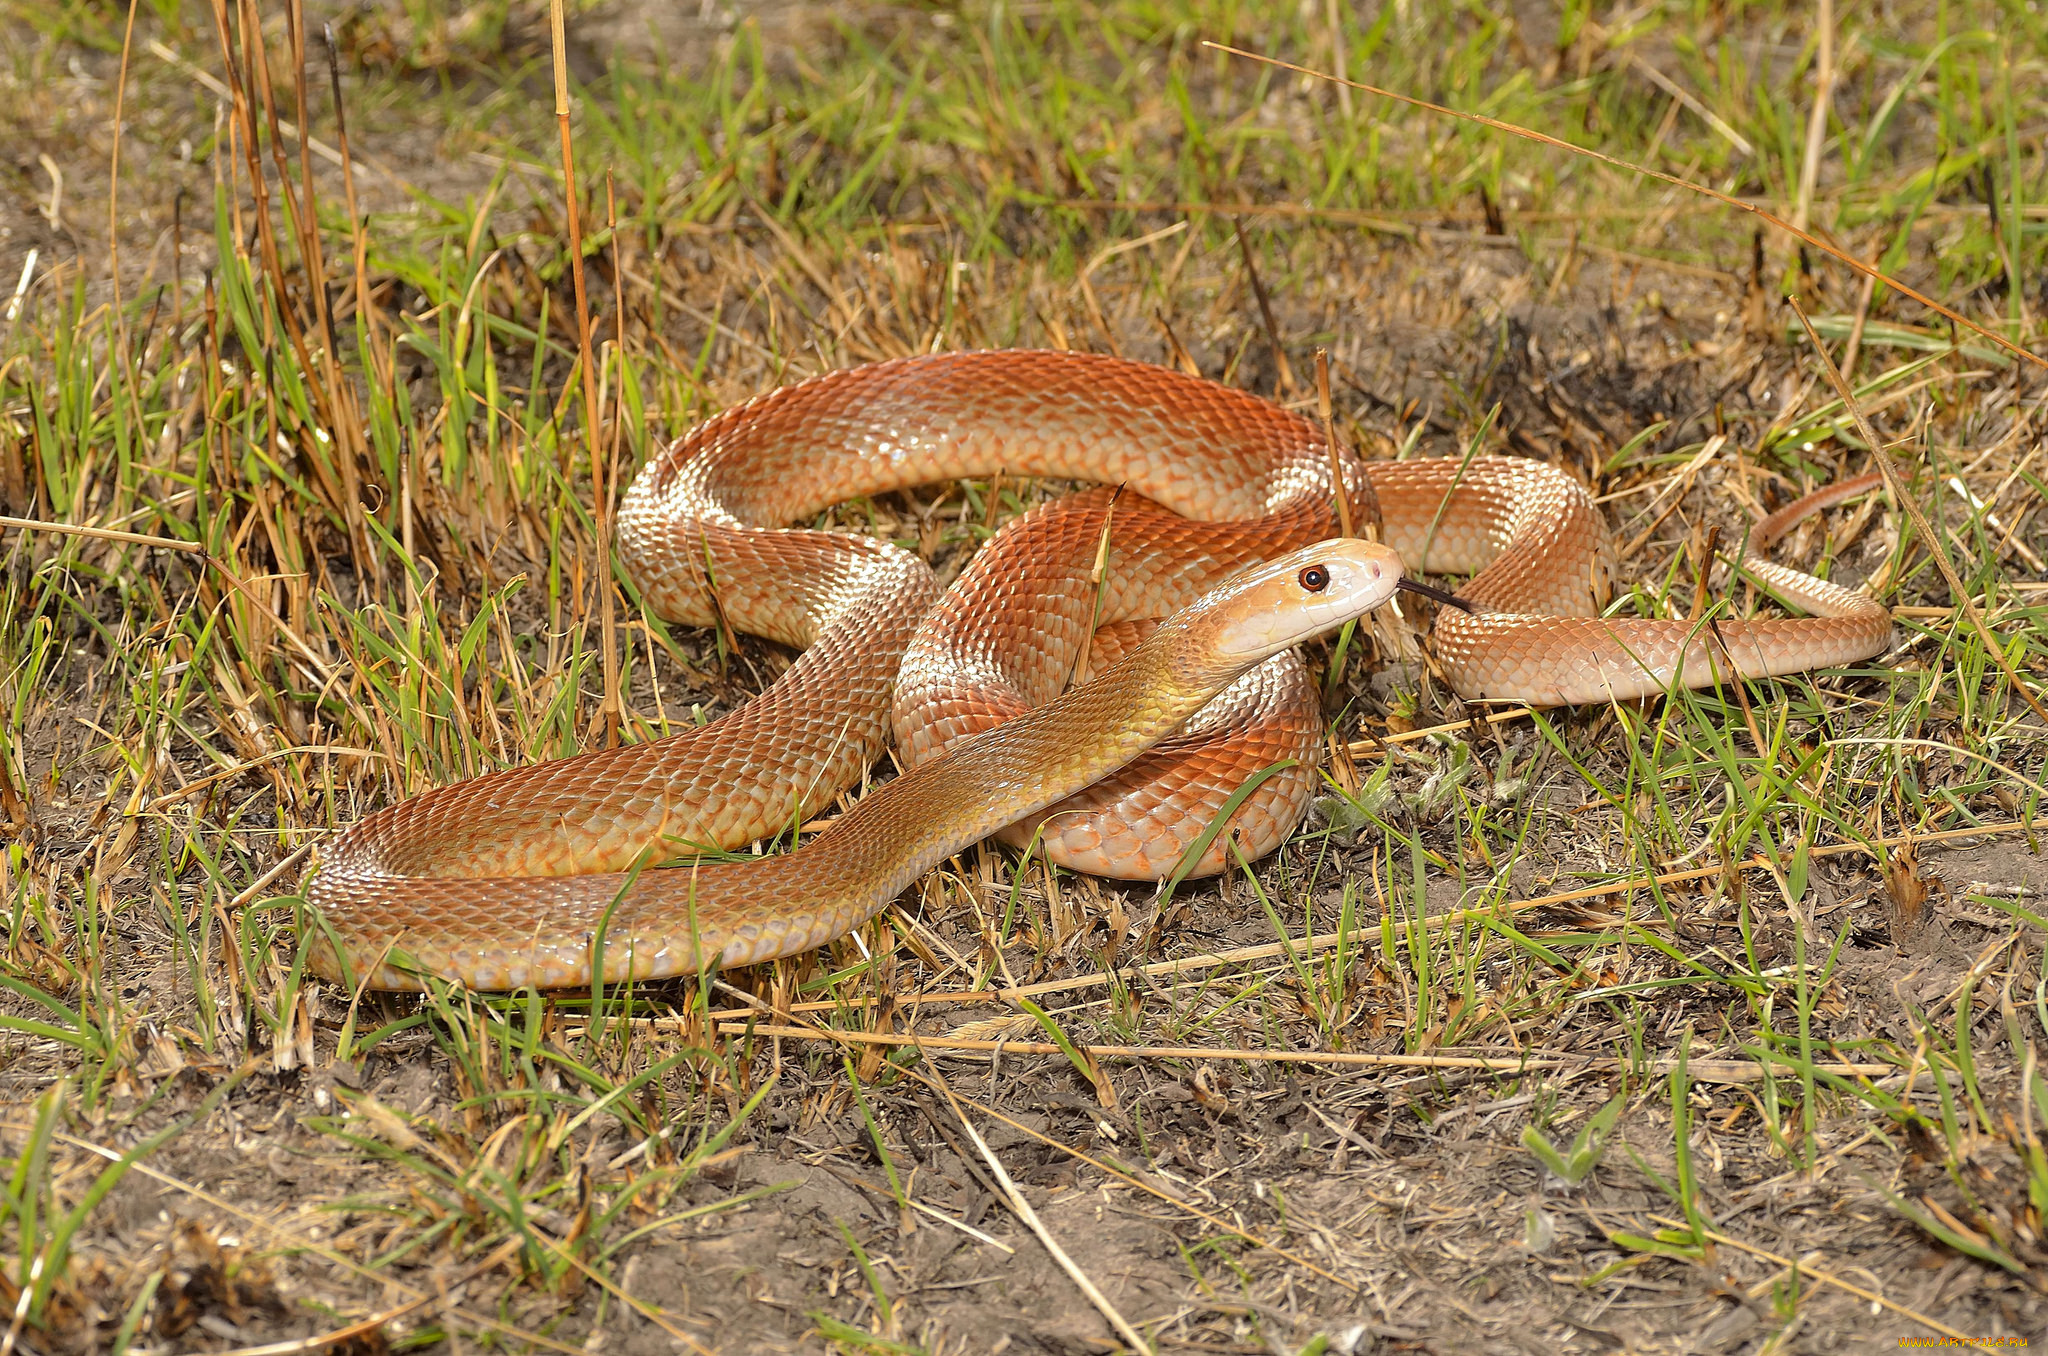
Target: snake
{"points": [[1106, 678]]}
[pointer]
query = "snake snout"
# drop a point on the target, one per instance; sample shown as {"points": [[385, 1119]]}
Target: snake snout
{"points": [[1301, 595]]}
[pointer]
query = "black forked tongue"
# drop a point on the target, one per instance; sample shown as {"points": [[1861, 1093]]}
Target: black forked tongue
{"points": [[1447, 598]]}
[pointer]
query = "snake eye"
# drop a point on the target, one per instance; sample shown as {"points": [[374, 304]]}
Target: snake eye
{"points": [[1315, 578]]}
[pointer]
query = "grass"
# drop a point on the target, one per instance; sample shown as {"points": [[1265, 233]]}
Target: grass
{"points": [[1757, 992]]}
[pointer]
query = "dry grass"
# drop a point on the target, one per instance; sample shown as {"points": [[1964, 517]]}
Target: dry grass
{"points": [[1709, 1024]]}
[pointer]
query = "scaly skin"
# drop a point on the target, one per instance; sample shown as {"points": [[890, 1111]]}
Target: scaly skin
{"points": [[502, 880], [545, 931]]}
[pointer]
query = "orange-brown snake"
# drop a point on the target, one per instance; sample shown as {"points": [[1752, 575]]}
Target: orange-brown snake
{"points": [[530, 875]]}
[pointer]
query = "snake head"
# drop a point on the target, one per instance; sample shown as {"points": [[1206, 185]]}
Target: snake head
{"points": [[1283, 602]]}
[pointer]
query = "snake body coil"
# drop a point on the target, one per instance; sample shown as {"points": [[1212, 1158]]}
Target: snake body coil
{"points": [[522, 876]]}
